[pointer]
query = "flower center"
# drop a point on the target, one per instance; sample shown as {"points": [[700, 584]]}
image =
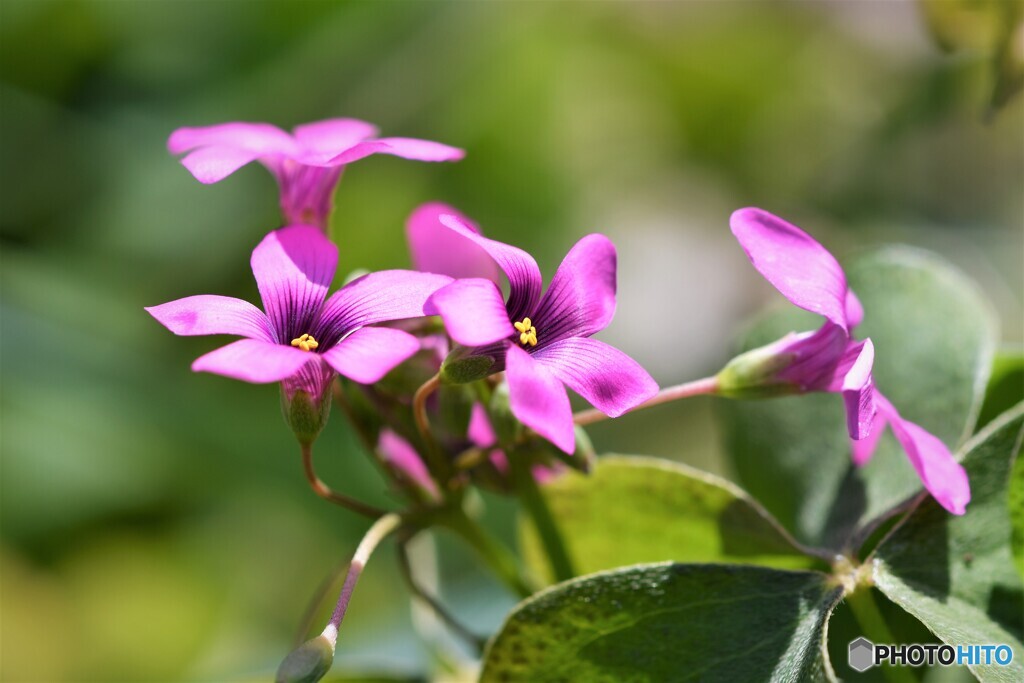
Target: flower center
{"points": [[527, 332], [305, 342]]}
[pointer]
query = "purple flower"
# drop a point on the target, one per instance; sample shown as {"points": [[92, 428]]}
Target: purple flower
{"points": [[436, 249], [830, 359], [305, 337], [543, 342], [407, 465], [481, 434], [307, 163]]}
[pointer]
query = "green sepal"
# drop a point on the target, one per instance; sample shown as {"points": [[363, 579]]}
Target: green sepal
{"points": [[305, 415], [307, 663], [582, 459], [461, 367], [755, 374]]}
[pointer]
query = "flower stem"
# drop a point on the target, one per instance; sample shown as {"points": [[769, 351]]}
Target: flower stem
{"points": [[543, 522], [439, 465], [327, 493], [871, 621], [377, 533], [708, 385], [341, 400], [501, 561], [471, 639]]}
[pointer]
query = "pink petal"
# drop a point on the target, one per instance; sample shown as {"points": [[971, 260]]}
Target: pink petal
{"points": [[252, 360], [473, 311], [854, 311], [368, 354], [212, 164], [519, 267], [803, 270], [293, 267], [480, 431], [421, 150], [538, 399], [260, 138], [581, 297], [400, 454], [941, 475], [354, 153], [609, 379], [813, 357], [436, 249], [331, 137], [210, 314], [379, 297], [853, 376], [863, 449]]}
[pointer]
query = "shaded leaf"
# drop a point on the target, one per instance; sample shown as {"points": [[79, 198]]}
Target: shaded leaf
{"points": [[956, 574], [1016, 503], [1005, 385], [669, 622], [634, 510]]}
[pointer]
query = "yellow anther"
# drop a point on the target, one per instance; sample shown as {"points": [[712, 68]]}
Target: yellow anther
{"points": [[305, 342], [527, 332]]}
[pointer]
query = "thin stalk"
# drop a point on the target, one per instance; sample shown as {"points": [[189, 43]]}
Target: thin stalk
{"points": [[471, 639], [700, 387], [543, 522], [377, 533], [327, 493], [866, 612], [439, 465], [314, 603], [500, 560], [341, 400]]}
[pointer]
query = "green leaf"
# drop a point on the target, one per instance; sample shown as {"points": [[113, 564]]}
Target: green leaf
{"points": [[955, 574], [1005, 385], [1016, 503], [634, 510], [669, 622], [933, 334]]}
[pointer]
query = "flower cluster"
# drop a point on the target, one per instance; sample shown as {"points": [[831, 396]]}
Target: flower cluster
{"points": [[536, 341], [491, 350], [305, 339]]}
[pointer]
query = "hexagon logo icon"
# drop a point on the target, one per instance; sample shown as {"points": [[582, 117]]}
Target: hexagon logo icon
{"points": [[861, 655]]}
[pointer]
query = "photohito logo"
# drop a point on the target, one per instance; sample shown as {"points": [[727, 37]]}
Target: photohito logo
{"points": [[864, 654]]}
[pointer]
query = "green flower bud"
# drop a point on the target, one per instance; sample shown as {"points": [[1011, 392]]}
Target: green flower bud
{"points": [[461, 367], [308, 663], [305, 414], [755, 374]]}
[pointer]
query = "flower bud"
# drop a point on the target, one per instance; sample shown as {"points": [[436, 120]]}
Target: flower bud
{"points": [[308, 663], [582, 459], [795, 364], [305, 414], [461, 366], [406, 467], [756, 374]]}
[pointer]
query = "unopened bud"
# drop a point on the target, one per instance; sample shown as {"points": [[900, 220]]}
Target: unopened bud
{"points": [[756, 374], [308, 663], [582, 459], [305, 414], [795, 364], [461, 367]]}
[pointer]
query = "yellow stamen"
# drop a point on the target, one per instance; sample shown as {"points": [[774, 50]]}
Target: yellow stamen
{"points": [[527, 332], [305, 342]]}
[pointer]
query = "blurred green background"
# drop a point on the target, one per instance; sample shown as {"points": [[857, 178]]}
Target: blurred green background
{"points": [[155, 522]]}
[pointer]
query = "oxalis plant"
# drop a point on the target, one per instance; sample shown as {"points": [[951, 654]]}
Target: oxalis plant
{"points": [[892, 478]]}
